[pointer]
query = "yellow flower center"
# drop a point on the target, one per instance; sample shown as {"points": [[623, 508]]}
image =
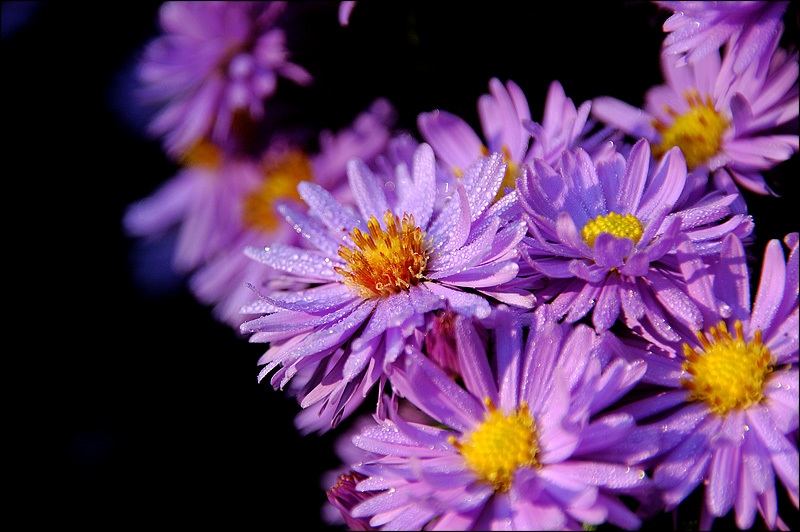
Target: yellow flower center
{"points": [[386, 261], [697, 132], [727, 372], [500, 445], [202, 154], [281, 177], [618, 225]]}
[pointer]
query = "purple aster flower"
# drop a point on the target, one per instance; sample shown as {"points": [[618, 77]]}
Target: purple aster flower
{"points": [[604, 235], [440, 342], [375, 275], [217, 62], [521, 448], [272, 194], [731, 409], [725, 124], [201, 201], [508, 129], [699, 28], [220, 203]]}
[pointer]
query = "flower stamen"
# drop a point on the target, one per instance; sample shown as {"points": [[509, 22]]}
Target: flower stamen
{"points": [[697, 132], [282, 174], [500, 445], [727, 372], [617, 225], [386, 261]]}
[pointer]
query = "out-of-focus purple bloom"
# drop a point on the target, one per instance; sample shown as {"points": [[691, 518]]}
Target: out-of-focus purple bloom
{"points": [[508, 129], [223, 280], [215, 64], [700, 28], [731, 408], [724, 123], [345, 9], [344, 497], [440, 342], [202, 201], [522, 447], [339, 484], [221, 204], [604, 235], [375, 275]]}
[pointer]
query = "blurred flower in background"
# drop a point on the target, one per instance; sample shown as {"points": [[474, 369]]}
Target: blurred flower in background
{"points": [[213, 68]]}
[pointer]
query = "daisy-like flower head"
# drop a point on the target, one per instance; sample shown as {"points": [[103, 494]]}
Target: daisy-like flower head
{"points": [[270, 194], [699, 28], [216, 62], [520, 447], [604, 235], [200, 202], [728, 416], [507, 129], [722, 122], [220, 203], [375, 276]]}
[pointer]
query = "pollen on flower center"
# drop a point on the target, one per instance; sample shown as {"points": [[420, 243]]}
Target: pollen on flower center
{"points": [[618, 225], [202, 154], [727, 372], [500, 445], [386, 261], [282, 174], [697, 132]]}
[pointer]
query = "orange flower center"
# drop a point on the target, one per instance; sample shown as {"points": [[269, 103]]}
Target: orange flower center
{"points": [[281, 177], [385, 261]]}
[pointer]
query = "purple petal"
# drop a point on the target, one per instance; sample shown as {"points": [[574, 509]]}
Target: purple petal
{"points": [[482, 181], [723, 474], [367, 191], [604, 433], [424, 173], [454, 141], [634, 179], [473, 361], [698, 281], [391, 311], [329, 337], [310, 229], [483, 276], [322, 204], [456, 261], [431, 390], [611, 476], [509, 357], [451, 228], [462, 302], [629, 119], [770, 288], [610, 252], [607, 308], [666, 185], [299, 262]]}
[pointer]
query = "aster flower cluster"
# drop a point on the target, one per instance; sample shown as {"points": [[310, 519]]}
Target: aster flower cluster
{"points": [[551, 321]]}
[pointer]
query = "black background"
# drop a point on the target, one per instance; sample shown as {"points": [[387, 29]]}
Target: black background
{"points": [[142, 409]]}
